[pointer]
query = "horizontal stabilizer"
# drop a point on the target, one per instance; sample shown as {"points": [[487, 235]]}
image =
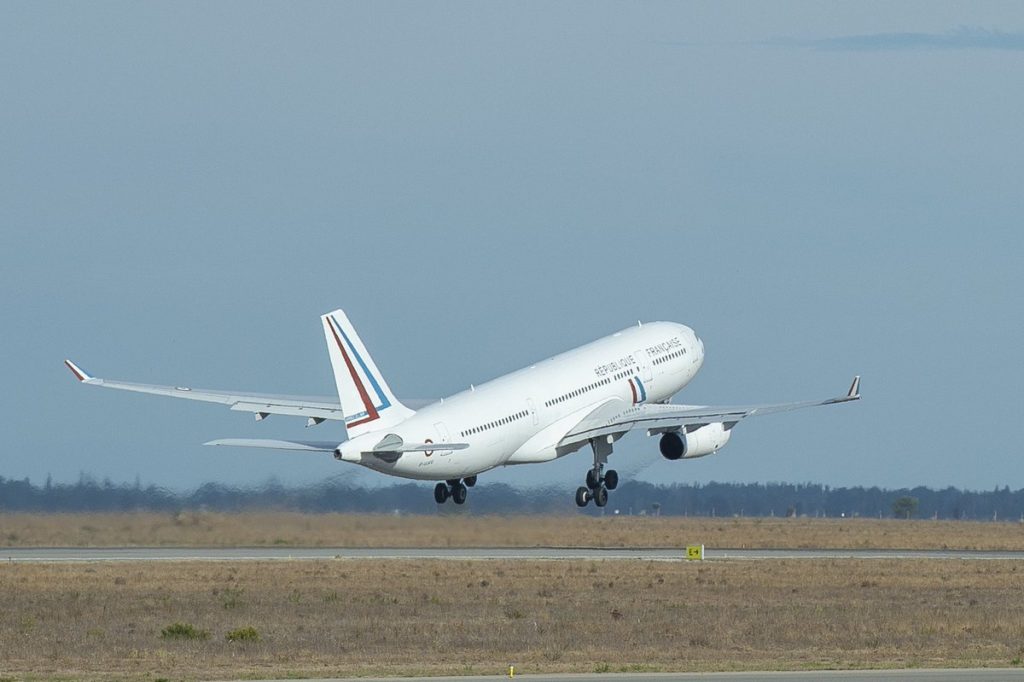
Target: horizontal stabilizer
{"points": [[302, 445], [393, 443], [430, 447]]}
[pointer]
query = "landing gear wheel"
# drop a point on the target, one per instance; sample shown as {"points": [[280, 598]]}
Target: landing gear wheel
{"points": [[601, 496], [441, 493], [593, 479], [459, 493], [611, 479], [582, 496], [470, 481]]}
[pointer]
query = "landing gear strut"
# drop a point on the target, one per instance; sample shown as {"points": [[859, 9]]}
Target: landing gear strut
{"points": [[599, 481], [454, 488]]}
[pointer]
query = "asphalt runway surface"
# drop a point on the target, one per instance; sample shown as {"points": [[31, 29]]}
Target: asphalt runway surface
{"points": [[915, 675], [77, 554]]}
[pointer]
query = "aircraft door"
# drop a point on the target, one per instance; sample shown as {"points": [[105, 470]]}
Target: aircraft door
{"points": [[644, 362], [533, 410], [646, 373], [442, 437]]}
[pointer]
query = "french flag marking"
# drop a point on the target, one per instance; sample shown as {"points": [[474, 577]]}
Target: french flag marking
{"points": [[637, 388]]}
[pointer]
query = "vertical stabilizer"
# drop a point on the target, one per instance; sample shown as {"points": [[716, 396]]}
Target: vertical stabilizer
{"points": [[366, 399]]}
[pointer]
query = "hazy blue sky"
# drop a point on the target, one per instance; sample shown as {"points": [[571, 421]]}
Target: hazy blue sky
{"points": [[819, 189]]}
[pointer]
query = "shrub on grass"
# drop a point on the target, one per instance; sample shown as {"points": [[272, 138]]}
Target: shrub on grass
{"points": [[231, 598], [183, 631], [247, 634]]}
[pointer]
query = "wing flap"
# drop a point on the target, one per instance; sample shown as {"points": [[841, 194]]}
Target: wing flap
{"points": [[300, 410]]}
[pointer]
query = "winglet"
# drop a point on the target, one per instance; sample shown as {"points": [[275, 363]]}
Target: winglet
{"points": [[79, 373], [854, 391]]}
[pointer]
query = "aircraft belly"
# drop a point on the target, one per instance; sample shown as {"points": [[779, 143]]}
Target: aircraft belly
{"points": [[438, 466]]}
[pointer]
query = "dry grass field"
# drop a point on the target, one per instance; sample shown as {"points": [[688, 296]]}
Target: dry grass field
{"points": [[341, 618], [349, 530]]}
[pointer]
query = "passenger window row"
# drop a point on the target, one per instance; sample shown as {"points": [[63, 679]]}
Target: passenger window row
{"points": [[578, 392], [673, 354], [496, 423]]}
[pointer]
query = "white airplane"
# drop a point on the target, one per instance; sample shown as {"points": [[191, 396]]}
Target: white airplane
{"points": [[591, 395]]}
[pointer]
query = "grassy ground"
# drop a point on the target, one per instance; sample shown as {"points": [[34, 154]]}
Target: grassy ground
{"points": [[341, 618], [350, 530]]}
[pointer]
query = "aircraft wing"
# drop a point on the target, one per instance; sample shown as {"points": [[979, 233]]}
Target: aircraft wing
{"points": [[670, 417], [316, 409]]}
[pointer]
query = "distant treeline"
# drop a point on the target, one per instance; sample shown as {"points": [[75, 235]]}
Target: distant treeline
{"points": [[711, 499]]}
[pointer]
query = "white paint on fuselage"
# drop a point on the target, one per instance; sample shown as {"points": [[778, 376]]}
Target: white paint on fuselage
{"points": [[517, 407]]}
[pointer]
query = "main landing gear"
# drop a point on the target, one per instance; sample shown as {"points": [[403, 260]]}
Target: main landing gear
{"points": [[599, 481], [597, 487], [454, 488]]}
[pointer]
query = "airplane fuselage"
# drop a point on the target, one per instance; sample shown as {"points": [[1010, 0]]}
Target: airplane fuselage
{"points": [[519, 418], [589, 396]]}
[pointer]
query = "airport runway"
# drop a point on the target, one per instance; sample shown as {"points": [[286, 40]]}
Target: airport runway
{"points": [[915, 675], [76, 554]]}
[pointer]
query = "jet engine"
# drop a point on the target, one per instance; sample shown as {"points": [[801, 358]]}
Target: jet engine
{"points": [[702, 441]]}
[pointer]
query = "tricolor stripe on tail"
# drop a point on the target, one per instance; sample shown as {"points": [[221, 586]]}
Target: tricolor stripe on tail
{"points": [[366, 400]]}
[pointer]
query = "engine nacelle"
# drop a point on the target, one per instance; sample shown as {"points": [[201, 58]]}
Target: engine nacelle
{"points": [[706, 440]]}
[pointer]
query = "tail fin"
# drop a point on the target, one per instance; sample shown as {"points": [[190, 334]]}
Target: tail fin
{"points": [[366, 400]]}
